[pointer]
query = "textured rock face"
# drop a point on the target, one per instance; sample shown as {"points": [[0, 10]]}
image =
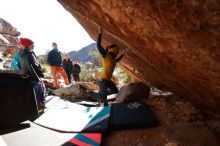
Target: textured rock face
{"points": [[180, 124], [8, 38], [134, 91], [173, 45]]}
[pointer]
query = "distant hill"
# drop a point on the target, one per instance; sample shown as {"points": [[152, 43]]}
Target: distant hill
{"points": [[83, 54]]}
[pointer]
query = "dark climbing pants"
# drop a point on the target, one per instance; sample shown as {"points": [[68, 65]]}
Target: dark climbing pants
{"points": [[69, 77], [106, 87], [40, 91], [76, 77]]}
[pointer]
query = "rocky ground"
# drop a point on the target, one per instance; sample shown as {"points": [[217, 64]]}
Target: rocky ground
{"points": [[181, 124]]}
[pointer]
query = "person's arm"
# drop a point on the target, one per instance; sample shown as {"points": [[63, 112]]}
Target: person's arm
{"points": [[63, 64], [71, 66], [79, 68], [35, 67], [49, 59], [102, 51], [60, 58], [119, 58]]}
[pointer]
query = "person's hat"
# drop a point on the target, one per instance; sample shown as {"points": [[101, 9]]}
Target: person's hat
{"points": [[26, 42]]}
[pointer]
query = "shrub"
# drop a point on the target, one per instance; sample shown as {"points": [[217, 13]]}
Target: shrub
{"points": [[122, 76], [45, 68], [88, 72]]}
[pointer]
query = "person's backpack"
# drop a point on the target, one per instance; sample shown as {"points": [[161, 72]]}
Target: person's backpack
{"points": [[15, 64]]}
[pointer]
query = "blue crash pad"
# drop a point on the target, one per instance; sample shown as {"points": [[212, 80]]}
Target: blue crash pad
{"points": [[66, 116]]}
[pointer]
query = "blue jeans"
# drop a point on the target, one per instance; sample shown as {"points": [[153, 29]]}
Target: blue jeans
{"points": [[40, 90]]}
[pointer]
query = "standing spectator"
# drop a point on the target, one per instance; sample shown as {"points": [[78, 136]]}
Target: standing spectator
{"points": [[68, 66], [30, 66], [76, 71], [55, 61]]}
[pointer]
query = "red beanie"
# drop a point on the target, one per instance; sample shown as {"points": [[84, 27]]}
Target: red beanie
{"points": [[26, 42]]}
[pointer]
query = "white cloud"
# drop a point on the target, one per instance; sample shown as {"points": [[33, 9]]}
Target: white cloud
{"points": [[45, 21]]}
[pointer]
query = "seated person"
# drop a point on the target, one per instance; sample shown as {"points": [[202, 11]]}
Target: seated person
{"points": [[30, 66]]}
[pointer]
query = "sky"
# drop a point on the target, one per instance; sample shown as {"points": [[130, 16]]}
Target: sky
{"points": [[44, 22]]}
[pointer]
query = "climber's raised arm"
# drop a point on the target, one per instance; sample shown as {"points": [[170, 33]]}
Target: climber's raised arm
{"points": [[102, 51]]}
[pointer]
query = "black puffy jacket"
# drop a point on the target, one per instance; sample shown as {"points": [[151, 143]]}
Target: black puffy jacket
{"points": [[68, 66], [29, 64], [76, 69]]}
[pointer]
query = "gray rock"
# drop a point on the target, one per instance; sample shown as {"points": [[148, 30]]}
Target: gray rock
{"points": [[136, 91]]}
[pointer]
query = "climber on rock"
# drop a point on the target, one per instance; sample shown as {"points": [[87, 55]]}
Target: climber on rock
{"points": [[109, 60]]}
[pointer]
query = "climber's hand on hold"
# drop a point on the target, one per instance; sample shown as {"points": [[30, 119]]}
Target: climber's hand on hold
{"points": [[100, 30], [124, 51]]}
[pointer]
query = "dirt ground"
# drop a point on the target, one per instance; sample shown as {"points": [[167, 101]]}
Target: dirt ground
{"points": [[181, 124]]}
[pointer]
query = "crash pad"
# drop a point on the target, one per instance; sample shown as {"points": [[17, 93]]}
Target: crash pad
{"points": [[87, 103], [17, 102], [85, 139], [131, 115], [66, 116], [95, 101], [94, 95], [30, 134], [111, 97]]}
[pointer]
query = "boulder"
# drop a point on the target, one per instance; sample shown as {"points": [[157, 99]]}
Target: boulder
{"points": [[7, 28], [172, 129], [136, 91], [190, 134], [8, 39], [90, 86], [71, 92], [75, 90], [172, 45]]}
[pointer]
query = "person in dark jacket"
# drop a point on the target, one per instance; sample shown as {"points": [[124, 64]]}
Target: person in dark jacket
{"points": [[55, 61], [76, 71], [68, 66], [30, 66], [109, 60]]}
